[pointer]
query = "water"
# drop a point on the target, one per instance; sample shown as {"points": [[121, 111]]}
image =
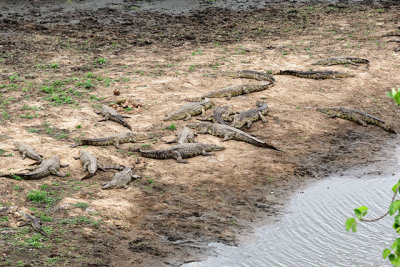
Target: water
{"points": [[311, 231]]}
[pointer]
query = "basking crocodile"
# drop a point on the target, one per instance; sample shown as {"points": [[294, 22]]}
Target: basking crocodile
{"points": [[247, 117], [47, 167], [182, 151], [317, 75], [27, 151], [121, 179], [91, 165], [220, 115], [184, 136], [189, 110], [111, 114], [341, 61], [238, 89], [116, 140], [356, 116], [251, 74], [229, 133]]}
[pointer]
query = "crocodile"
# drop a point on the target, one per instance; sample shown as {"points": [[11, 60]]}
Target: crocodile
{"points": [[47, 167], [220, 115], [341, 61], [111, 114], [317, 75], [27, 151], [181, 151], [116, 140], [189, 110], [121, 179], [238, 89], [184, 136], [357, 116], [247, 117], [251, 74], [229, 133], [91, 165]]}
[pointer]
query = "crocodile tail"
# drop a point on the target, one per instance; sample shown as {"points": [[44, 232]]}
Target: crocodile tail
{"points": [[120, 120], [266, 145], [154, 154], [15, 176], [78, 143], [114, 167], [87, 176], [388, 128], [126, 125], [195, 99]]}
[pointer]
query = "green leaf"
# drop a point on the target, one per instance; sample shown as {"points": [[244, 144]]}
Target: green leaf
{"points": [[392, 257], [361, 211], [354, 227], [394, 207], [394, 188], [395, 243], [349, 223], [386, 253]]}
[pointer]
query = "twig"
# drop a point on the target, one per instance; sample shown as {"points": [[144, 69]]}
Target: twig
{"points": [[384, 215]]}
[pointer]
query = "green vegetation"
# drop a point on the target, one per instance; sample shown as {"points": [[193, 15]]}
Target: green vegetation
{"points": [[39, 196], [395, 95], [146, 146], [80, 220], [100, 61], [35, 241], [171, 127], [81, 205]]}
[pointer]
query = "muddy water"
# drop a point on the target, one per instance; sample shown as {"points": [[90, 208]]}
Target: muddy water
{"points": [[311, 230]]}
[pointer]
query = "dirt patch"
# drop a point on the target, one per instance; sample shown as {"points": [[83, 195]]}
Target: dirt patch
{"points": [[55, 75]]}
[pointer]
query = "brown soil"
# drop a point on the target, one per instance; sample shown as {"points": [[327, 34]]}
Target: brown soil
{"points": [[156, 62]]}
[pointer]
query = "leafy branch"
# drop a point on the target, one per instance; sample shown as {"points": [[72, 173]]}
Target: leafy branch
{"points": [[393, 254]]}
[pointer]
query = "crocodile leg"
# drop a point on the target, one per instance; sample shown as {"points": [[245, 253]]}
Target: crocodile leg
{"points": [[245, 91], [76, 158], [228, 136], [263, 119], [248, 124], [14, 149], [188, 116], [64, 165], [85, 165], [101, 167], [24, 155], [361, 122], [106, 118], [228, 97], [56, 173], [178, 157], [116, 144], [205, 153], [203, 110]]}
